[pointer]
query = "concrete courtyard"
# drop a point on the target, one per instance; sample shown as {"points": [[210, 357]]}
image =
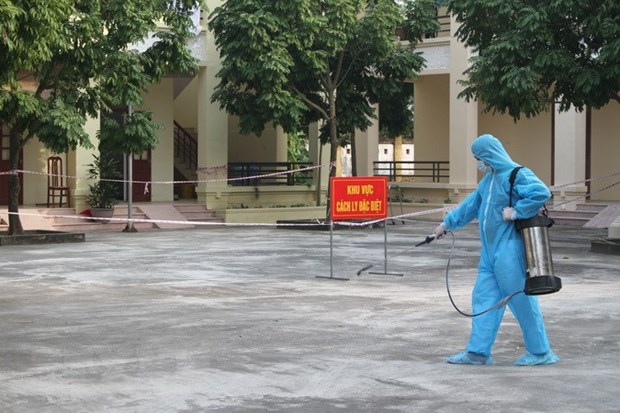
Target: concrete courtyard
{"points": [[235, 320]]}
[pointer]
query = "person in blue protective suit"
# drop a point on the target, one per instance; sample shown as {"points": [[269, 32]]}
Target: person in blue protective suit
{"points": [[502, 266]]}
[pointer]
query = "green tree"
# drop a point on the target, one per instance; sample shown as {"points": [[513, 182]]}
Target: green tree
{"points": [[294, 62], [396, 115], [296, 150], [66, 60], [533, 53]]}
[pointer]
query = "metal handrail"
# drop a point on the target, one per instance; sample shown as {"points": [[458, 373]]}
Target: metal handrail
{"points": [[185, 146], [255, 173], [444, 27], [437, 170]]}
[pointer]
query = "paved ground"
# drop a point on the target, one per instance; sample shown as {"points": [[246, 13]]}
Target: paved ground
{"points": [[234, 320]]}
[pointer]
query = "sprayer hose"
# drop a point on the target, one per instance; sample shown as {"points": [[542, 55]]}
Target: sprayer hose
{"points": [[499, 304]]}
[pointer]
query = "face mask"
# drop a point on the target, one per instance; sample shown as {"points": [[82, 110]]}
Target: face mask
{"points": [[481, 166]]}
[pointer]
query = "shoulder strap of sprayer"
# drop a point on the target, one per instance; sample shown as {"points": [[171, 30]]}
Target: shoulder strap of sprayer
{"points": [[513, 177]]}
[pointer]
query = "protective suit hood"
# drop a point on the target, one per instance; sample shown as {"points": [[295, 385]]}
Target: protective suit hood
{"points": [[490, 150]]}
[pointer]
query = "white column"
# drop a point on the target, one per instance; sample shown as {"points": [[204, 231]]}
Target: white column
{"points": [[281, 145], [570, 156], [77, 165], [318, 157], [212, 144], [463, 119], [159, 100], [367, 147], [211, 128]]}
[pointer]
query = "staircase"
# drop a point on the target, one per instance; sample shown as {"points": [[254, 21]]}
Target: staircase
{"points": [[116, 224], [176, 215], [185, 152], [583, 214], [197, 213]]}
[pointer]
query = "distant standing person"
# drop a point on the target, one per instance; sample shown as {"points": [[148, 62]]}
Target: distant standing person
{"points": [[502, 266]]}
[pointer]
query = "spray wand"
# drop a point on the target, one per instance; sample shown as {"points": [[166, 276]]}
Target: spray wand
{"points": [[428, 240]]}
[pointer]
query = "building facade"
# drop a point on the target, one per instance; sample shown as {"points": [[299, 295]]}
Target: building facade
{"points": [[564, 149]]}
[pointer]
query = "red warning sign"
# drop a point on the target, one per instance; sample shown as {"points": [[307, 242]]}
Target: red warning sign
{"points": [[359, 197]]}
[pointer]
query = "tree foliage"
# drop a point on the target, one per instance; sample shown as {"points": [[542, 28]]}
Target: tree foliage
{"points": [[533, 53], [294, 62], [66, 60], [396, 115]]}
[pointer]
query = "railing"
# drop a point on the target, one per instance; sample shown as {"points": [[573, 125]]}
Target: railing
{"points": [[436, 170], [444, 27], [185, 147], [256, 171], [443, 19]]}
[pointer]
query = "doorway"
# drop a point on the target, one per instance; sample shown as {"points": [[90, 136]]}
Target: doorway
{"points": [[5, 166], [141, 172]]}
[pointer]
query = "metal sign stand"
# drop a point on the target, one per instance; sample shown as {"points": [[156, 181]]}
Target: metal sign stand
{"points": [[354, 198], [129, 227], [331, 256], [385, 259]]}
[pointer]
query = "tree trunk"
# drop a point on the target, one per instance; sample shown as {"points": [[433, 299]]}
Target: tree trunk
{"points": [[333, 152], [15, 224], [319, 172], [353, 156]]}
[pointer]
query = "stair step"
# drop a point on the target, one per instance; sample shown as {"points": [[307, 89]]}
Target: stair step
{"points": [[98, 226], [68, 224], [57, 211], [197, 213], [572, 214], [85, 225], [596, 208], [197, 217], [576, 222], [192, 208], [68, 221], [605, 218], [582, 214]]}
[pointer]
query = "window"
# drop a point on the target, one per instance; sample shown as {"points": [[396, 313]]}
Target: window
{"points": [[4, 143]]}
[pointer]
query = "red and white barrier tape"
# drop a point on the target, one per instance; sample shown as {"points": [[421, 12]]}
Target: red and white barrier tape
{"points": [[158, 221], [396, 217], [232, 224], [22, 171], [341, 223], [147, 183], [584, 196]]}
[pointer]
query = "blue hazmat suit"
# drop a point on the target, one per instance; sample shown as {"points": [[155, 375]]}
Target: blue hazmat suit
{"points": [[502, 266]]}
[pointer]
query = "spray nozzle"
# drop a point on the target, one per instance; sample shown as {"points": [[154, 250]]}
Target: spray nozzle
{"points": [[428, 240]]}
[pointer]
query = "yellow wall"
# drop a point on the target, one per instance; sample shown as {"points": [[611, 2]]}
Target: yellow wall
{"points": [[605, 159], [528, 141], [251, 148], [185, 106], [431, 133], [35, 160], [268, 147], [159, 100]]}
